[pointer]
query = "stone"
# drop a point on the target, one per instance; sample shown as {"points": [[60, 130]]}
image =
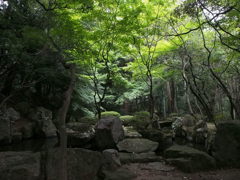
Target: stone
{"points": [[80, 134], [158, 166], [139, 157], [45, 126], [226, 145], [81, 164], [164, 138], [20, 165], [111, 159], [109, 132], [137, 145], [129, 132], [189, 159], [27, 129]]}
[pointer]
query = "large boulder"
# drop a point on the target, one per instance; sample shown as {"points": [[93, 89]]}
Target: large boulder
{"points": [[43, 119], [226, 145], [189, 159], [111, 159], [137, 145], [81, 164], [80, 134], [20, 165], [109, 132]]}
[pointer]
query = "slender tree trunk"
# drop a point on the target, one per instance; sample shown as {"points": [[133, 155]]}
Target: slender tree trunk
{"points": [[62, 113]]}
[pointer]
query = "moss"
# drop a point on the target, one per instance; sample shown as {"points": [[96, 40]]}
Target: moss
{"points": [[110, 113], [127, 119], [141, 120]]}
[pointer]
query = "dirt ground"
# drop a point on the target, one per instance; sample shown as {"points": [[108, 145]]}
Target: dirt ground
{"points": [[161, 171]]}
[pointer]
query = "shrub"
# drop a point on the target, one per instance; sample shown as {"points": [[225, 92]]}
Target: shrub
{"points": [[110, 113], [127, 119], [141, 120]]}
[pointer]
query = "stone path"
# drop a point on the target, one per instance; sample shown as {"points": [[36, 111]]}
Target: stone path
{"points": [[161, 171]]}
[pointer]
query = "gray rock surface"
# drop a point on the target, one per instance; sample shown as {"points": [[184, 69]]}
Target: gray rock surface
{"points": [[189, 159], [139, 158], [20, 166], [109, 132], [226, 145], [45, 126], [137, 145]]}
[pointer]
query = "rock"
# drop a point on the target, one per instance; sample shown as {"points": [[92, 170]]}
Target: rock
{"points": [[137, 145], [211, 132], [120, 174], [45, 126], [226, 145], [167, 123], [109, 132], [111, 159], [80, 134], [164, 138], [20, 165], [158, 166], [139, 157], [16, 137], [129, 132], [81, 164], [189, 159], [27, 129]]}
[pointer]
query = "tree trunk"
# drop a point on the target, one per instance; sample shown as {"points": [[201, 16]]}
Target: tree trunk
{"points": [[62, 113]]}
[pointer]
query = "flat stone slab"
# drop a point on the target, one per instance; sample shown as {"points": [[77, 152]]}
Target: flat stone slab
{"points": [[139, 158], [189, 159], [137, 145], [129, 132]]}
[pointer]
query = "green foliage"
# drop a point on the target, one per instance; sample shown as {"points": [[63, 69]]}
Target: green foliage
{"points": [[110, 113], [127, 119], [141, 120]]}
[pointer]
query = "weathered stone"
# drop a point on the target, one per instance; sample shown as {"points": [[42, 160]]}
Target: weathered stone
{"points": [[27, 129], [109, 132], [80, 134], [81, 164], [111, 159], [189, 159], [45, 126], [137, 145], [164, 138], [226, 146], [139, 157], [129, 132], [20, 166]]}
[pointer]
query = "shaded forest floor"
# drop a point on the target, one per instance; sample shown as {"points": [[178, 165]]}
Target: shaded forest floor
{"points": [[161, 171]]}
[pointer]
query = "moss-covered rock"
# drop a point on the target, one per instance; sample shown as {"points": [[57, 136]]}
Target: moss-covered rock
{"points": [[141, 120], [226, 146], [189, 159], [127, 119], [110, 113]]}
